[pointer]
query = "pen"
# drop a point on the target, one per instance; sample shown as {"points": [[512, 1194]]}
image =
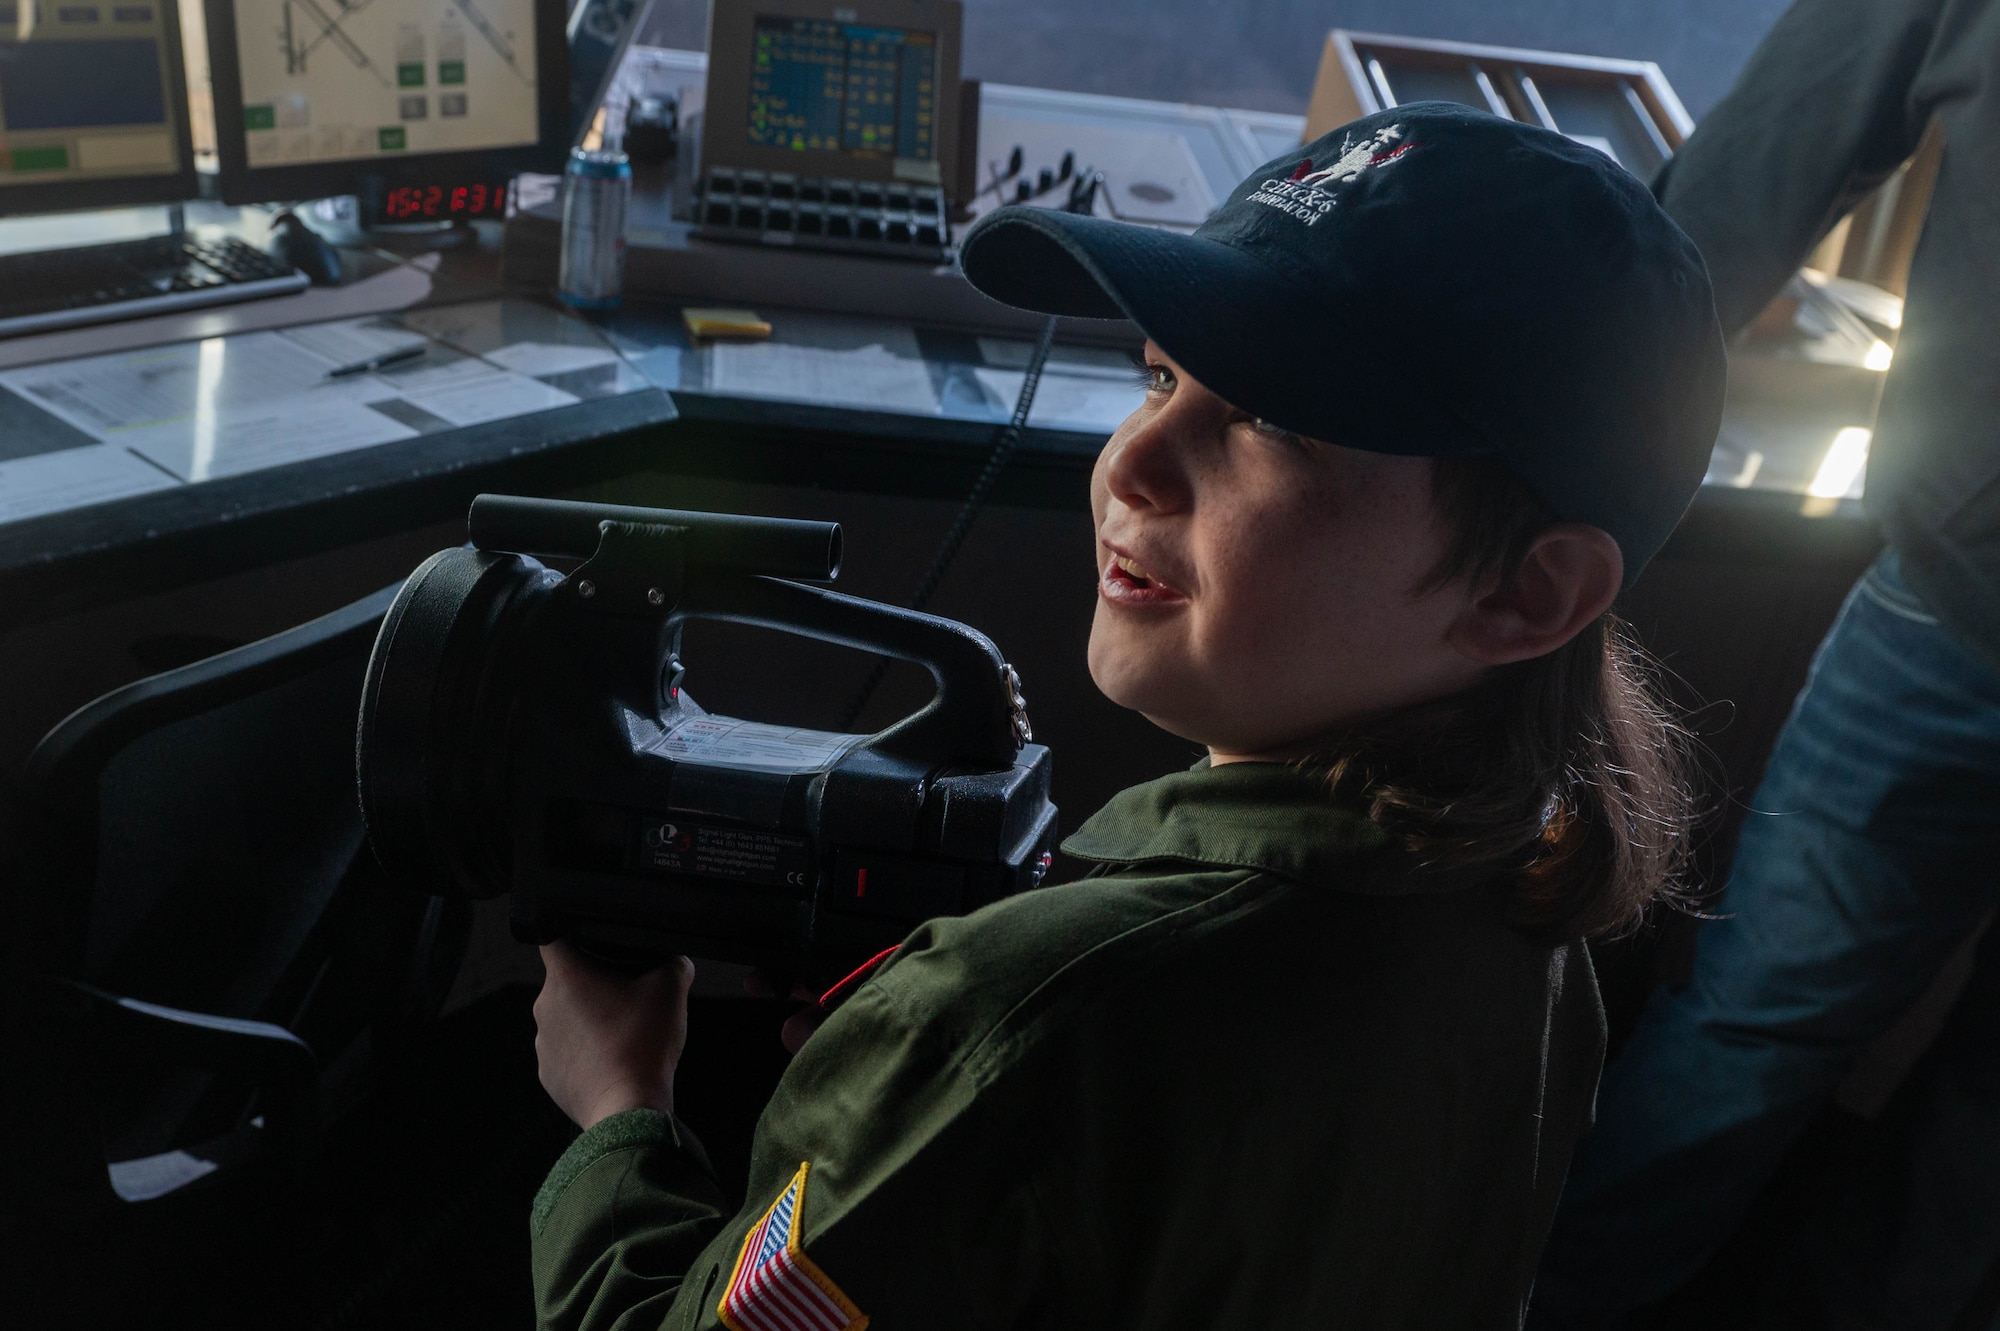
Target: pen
{"points": [[387, 358]]}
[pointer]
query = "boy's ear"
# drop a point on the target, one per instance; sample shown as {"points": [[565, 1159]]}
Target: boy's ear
{"points": [[1570, 576]]}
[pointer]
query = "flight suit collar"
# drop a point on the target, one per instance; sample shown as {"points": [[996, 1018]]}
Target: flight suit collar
{"points": [[1269, 817]]}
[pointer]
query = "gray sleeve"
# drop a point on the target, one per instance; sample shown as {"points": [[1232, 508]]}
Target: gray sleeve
{"points": [[1823, 112]]}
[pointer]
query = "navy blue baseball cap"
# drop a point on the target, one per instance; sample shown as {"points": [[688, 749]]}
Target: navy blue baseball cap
{"points": [[1430, 281]]}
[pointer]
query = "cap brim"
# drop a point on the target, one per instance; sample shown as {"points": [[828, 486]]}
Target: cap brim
{"points": [[1241, 328]]}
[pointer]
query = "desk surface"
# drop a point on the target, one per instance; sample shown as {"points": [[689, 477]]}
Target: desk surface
{"points": [[234, 449], [139, 455]]}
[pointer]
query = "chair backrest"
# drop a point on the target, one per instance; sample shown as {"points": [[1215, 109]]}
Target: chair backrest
{"points": [[193, 840], [185, 788]]}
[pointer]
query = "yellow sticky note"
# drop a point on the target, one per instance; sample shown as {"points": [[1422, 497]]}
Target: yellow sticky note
{"points": [[712, 323]]}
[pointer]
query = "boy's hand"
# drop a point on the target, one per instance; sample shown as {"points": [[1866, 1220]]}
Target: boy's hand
{"points": [[606, 1042], [800, 1025]]}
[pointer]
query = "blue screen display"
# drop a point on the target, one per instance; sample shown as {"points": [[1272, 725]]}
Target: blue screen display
{"points": [[76, 84], [842, 87]]}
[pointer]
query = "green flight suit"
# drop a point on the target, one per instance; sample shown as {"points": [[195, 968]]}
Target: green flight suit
{"points": [[1255, 1071]]}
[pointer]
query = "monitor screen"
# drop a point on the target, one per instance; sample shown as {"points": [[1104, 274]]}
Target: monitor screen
{"points": [[843, 87], [356, 81], [90, 94]]}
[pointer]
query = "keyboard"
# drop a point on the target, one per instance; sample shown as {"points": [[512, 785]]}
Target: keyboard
{"points": [[901, 221], [95, 283]]}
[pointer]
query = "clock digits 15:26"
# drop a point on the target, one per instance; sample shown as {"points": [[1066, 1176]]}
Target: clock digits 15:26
{"points": [[424, 203]]}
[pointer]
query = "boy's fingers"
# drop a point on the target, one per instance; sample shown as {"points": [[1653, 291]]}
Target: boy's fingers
{"points": [[571, 965], [798, 1028], [608, 1038]]}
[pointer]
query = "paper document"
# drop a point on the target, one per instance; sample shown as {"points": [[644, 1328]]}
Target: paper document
{"points": [[1092, 405], [106, 394], [468, 392], [351, 341], [538, 358], [244, 439], [885, 374], [1090, 390], [73, 478], [1077, 362], [223, 406]]}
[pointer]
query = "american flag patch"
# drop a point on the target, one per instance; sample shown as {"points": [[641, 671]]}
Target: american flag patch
{"points": [[775, 1286]]}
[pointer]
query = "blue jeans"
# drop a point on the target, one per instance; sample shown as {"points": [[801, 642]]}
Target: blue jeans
{"points": [[1867, 856]]}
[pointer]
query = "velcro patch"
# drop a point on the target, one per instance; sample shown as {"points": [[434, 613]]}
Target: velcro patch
{"points": [[775, 1286]]}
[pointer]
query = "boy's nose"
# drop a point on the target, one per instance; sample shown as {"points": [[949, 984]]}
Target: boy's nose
{"points": [[1142, 470], [1152, 464]]}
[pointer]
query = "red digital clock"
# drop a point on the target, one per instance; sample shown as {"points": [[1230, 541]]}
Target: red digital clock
{"points": [[444, 203]]}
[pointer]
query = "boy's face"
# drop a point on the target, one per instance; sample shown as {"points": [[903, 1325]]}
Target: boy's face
{"points": [[1257, 590]]}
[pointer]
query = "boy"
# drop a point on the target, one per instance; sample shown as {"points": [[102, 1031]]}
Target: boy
{"points": [[1313, 1043]]}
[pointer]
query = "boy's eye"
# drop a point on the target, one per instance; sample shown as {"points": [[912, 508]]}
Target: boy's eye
{"points": [[1276, 433], [1152, 376]]}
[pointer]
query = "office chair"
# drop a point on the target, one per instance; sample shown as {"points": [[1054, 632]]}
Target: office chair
{"points": [[204, 964]]}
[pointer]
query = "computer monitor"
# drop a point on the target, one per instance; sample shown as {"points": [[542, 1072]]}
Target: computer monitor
{"points": [[865, 90], [423, 109], [93, 105]]}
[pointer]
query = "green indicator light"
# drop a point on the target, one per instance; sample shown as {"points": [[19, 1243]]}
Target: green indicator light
{"points": [[450, 71], [390, 138], [260, 117], [55, 157], [410, 76]]}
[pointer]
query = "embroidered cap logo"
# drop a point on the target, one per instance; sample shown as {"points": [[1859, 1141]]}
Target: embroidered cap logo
{"points": [[1308, 195]]}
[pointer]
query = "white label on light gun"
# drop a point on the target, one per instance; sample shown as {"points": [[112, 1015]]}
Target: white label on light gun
{"points": [[724, 741]]}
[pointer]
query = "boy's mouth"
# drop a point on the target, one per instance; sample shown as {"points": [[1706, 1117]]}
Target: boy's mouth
{"points": [[1126, 582]]}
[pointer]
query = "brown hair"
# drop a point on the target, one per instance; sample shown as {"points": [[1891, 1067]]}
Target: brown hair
{"points": [[1567, 774]]}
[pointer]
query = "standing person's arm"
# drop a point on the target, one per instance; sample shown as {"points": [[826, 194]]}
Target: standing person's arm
{"points": [[1822, 114]]}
